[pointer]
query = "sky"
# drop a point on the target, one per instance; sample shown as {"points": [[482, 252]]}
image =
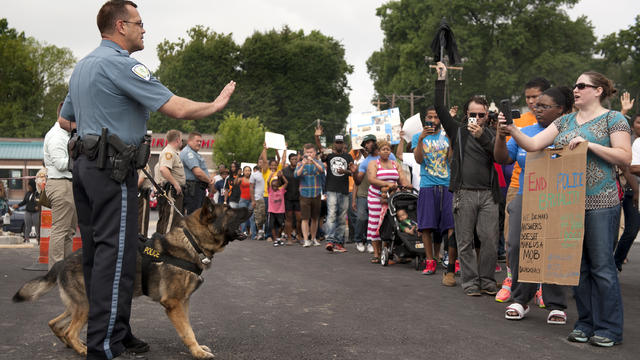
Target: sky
{"points": [[71, 24]]}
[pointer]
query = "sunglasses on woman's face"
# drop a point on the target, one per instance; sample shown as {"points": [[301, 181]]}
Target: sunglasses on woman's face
{"points": [[581, 86], [478, 115]]}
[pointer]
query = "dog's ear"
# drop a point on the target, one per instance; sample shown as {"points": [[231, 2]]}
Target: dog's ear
{"points": [[207, 213]]}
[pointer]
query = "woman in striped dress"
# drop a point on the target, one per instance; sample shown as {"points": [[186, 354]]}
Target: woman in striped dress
{"points": [[381, 172]]}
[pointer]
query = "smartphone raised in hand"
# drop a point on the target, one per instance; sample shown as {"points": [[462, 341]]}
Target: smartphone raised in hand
{"points": [[505, 108]]}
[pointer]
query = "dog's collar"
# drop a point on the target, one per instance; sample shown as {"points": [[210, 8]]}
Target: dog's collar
{"points": [[203, 258]]}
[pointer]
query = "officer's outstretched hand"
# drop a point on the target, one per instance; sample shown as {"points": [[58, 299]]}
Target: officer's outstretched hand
{"points": [[221, 101]]}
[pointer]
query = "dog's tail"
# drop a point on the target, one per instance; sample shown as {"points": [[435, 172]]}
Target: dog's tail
{"points": [[39, 286]]}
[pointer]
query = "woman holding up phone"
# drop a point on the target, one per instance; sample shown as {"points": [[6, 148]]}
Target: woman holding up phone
{"points": [[607, 132], [551, 104]]}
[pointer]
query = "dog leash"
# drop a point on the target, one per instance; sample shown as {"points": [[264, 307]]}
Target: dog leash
{"points": [[204, 259], [160, 191]]}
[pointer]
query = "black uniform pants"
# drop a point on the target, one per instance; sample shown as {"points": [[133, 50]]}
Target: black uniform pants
{"points": [[107, 217], [193, 196]]}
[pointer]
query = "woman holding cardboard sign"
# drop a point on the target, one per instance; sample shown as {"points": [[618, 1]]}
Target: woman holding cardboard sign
{"points": [[551, 104], [597, 295]]}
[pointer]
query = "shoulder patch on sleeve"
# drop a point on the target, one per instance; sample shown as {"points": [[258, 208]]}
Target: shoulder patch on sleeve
{"points": [[168, 155], [190, 155], [141, 71]]}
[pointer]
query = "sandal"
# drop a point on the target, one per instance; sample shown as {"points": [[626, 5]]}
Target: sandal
{"points": [[519, 311], [557, 317], [375, 260]]}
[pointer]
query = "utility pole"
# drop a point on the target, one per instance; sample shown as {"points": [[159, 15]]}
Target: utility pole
{"points": [[411, 97], [377, 103]]}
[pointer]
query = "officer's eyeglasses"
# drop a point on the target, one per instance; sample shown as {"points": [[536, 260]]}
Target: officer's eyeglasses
{"points": [[139, 23], [478, 115]]}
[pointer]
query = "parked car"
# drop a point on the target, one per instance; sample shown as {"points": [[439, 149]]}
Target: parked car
{"points": [[153, 201], [17, 218]]}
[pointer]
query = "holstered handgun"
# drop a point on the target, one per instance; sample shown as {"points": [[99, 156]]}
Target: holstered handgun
{"points": [[123, 159]]}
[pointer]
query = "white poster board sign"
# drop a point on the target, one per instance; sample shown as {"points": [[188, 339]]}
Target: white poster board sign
{"points": [[251, 165], [275, 141], [412, 126]]}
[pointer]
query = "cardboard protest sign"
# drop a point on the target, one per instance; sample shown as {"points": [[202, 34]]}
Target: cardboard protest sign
{"points": [[553, 216], [275, 141], [383, 124]]}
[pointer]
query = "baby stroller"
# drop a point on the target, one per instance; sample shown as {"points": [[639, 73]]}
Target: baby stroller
{"points": [[396, 241]]}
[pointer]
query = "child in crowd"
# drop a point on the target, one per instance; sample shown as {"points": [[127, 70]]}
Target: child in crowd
{"points": [[406, 225], [277, 189]]}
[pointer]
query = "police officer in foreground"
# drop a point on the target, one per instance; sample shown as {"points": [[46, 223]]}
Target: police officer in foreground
{"points": [[170, 175], [110, 96], [195, 169]]}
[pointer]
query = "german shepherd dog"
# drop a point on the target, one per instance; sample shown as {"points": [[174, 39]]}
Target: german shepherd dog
{"points": [[212, 227]]}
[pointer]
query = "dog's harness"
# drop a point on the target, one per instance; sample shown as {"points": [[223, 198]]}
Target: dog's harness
{"points": [[151, 255]]}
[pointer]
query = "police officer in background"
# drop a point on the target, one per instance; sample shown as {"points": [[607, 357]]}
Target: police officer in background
{"points": [[109, 89], [170, 175], [197, 174]]}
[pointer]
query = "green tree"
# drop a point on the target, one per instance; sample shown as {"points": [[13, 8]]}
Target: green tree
{"points": [[198, 69], [238, 138], [285, 78], [503, 44], [290, 79], [621, 60], [32, 83]]}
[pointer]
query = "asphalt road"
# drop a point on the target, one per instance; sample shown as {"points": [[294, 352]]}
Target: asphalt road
{"points": [[260, 302]]}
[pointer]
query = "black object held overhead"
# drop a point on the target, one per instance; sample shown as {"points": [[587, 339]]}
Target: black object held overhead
{"points": [[445, 43]]}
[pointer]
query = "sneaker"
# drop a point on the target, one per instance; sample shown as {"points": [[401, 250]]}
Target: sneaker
{"points": [[539, 300], [490, 290], [307, 243], [361, 247], [472, 291], [269, 239], [339, 248], [448, 279], [281, 242], [577, 336], [370, 248], [498, 268], [329, 247], [276, 243], [601, 341], [316, 242], [505, 293], [430, 268], [457, 268]]}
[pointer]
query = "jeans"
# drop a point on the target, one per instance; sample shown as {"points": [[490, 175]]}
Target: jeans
{"points": [[244, 203], [631, 227], [360, 231], [554, 295], [267, 228], [337, 204], [476, 210], [597, 295], [351, 219]]}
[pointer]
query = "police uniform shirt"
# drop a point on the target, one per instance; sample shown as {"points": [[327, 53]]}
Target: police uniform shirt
{"points": [[171, 159], [190, 158], [119, 94], [146, 183]]}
